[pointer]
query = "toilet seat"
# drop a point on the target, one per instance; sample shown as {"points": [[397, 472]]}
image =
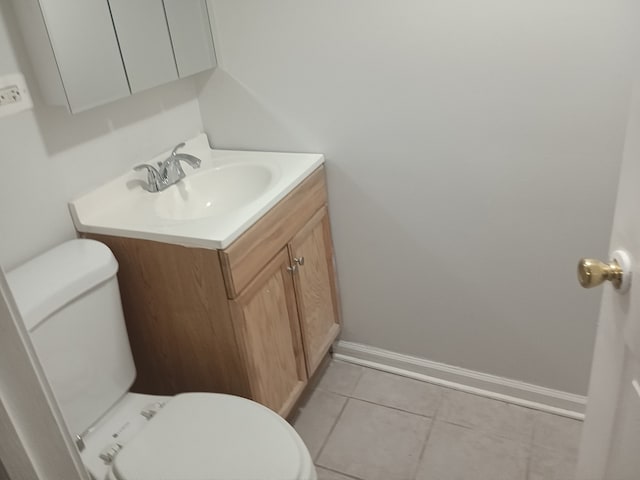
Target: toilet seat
{"points": [[206, 436]]}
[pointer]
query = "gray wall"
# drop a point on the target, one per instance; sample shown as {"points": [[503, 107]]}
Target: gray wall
{"points": [[49, 156], [473, 152]]}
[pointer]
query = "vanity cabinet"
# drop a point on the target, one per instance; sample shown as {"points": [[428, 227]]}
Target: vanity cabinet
{"points": [[254, 319], [265, 316], [90, 52], [314, 281]]}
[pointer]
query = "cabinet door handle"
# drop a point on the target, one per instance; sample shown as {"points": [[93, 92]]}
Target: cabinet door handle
{"points": [[299, 261], [292, 268]]}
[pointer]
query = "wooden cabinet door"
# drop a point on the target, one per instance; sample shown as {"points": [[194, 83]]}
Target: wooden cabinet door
{"points": [[268, 334], [311, 251]]}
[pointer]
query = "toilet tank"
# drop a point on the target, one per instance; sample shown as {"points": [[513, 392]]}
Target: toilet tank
{"points": [[70, 303]]}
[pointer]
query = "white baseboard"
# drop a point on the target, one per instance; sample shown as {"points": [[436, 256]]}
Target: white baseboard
{"points": [[512, 391]]}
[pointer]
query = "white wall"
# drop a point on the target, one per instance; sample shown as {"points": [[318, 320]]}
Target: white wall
{"points": [[49, 156], [472, 150]]}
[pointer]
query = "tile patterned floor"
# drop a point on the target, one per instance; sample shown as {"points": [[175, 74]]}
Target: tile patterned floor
{"points": [[363, 424]]}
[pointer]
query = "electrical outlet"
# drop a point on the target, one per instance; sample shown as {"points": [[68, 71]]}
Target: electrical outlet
{"points": [[14, 96], [10, 95]]}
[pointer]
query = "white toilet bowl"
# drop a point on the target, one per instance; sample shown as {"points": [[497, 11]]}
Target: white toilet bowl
{"points": [[70, 303], [203, 436]]}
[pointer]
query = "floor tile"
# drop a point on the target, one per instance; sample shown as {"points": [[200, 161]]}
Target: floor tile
{"points": [[329, 475], [486, 414], [317, 417], [375, 442], [398, 392], [340, 377], [556, 432], [460, 453], [548, 464]]}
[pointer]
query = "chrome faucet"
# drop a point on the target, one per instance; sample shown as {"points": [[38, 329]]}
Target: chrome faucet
{"points": [[169, 171]]}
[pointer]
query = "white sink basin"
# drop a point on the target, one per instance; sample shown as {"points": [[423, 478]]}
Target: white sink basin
{"points": [[216, 191], [209, 208]]}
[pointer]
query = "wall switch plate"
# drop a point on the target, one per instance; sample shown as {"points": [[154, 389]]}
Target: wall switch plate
{"points": [[14, 95]]}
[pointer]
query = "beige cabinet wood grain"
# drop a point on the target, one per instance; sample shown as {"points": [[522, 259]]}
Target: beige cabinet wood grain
{"points": [[315, 286], [265, 318]]}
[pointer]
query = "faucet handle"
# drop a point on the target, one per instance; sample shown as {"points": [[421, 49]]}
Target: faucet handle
{"points": [[175, 149], [153, 177], [149, 168]]}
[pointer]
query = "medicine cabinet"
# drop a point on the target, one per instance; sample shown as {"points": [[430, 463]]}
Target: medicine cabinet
{"points": [[87, 53]]}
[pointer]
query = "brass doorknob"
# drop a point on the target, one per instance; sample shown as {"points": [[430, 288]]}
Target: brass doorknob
{"points": [[592, 273]]}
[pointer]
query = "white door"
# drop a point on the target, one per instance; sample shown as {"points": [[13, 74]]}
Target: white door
{"points": [[610, 447]]}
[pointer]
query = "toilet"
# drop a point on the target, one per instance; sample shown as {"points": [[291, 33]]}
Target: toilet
{"points": [[70, 303]]}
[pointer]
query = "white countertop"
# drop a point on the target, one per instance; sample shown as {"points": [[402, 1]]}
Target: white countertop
{"points": [[123, 208]]}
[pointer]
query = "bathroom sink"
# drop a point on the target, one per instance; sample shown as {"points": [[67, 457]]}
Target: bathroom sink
{"points": [[215, 191], [209, 208]]}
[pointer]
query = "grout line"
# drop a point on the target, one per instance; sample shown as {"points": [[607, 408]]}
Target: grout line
{"points": [[527, 469], [424, 448], [431, 427], [440, 403], [363, 370], [343, 395], [324, 443], [348, 475], [393, 408], [318, 385], [530, 458], [487, 432], [362, 373], [533, 429]]}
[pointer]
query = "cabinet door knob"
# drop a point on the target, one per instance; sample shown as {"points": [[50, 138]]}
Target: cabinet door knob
{"points": [[292, 268], [299, 260]]}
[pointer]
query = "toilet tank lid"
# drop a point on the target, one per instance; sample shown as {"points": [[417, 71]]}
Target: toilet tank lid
{"points": [[51, 280]]}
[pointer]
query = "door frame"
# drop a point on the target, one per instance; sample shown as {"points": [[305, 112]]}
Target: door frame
{"points": [[35, 444]]}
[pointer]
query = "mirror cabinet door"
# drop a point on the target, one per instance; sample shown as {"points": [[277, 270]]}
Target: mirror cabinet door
{"points": [[144, 39], [191, 35], [86, 52], [91, 52]]}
